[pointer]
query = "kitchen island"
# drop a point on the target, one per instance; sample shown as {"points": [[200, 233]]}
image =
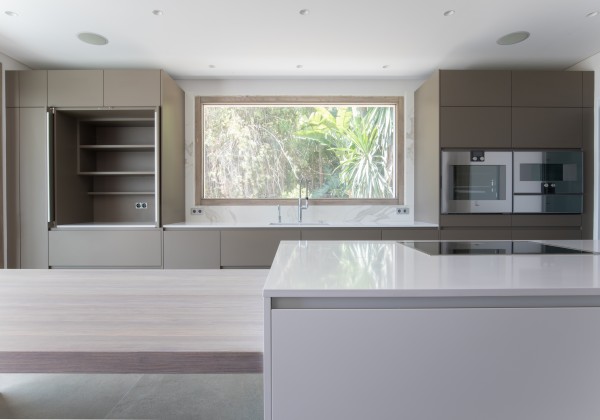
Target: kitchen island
{"points": [[378, 329]]}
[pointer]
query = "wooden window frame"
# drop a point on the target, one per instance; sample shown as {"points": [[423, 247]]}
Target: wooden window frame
{"points": [[200, 101]]}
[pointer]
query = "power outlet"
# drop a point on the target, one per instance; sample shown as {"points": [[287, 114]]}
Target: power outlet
{"points": [[195, 211], [141, 205], [402, 210]]}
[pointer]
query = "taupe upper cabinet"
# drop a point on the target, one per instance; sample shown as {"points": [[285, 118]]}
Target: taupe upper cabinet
{"points": [[77, 88], [547, 128], [475, 88], [547, 88], [131, 87], [475, 127]]}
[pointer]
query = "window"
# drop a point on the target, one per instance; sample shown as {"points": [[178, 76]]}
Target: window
{"points": [[257, 150]]}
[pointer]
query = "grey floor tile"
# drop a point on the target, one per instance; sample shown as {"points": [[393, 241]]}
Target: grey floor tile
{"points": [[199, 397], [66, 396]]}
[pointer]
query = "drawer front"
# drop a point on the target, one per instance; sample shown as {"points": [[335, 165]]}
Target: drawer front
{"points": [[106, 248]]}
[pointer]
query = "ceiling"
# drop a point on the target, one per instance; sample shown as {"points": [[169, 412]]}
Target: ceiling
{"points": [[271, 39]]}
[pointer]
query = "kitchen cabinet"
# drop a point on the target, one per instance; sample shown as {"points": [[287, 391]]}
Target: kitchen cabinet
{"points": [[474, 234], [253, 247], [192, 249], [547, 89], [410, 234], [32, 87], [475, 220], [132, 87], [547, 128], [11, 89], [475, 88], [588, 89], [475, 127], [13, 239], [546, 226], [105, 248], [75, 88], [325, 234], [546, 234]]}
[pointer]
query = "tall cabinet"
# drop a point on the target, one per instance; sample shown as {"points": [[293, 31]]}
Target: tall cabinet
{"points": [[504, 110], [99, 167]]}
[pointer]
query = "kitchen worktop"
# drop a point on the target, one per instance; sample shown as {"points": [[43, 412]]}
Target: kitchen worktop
{"points": [[391, 269], [294, 225]]}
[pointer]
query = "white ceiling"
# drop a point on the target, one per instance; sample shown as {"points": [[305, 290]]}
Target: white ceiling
{"points": [[270, 38]]}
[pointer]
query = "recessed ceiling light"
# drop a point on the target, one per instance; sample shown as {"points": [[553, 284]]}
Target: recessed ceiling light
{"points": [[91, 38], [304, 12], [385, 66], [449, 12], [157, 12], [11, 13], [211, 66], [299, 66], [593, 14], [513, 38]]}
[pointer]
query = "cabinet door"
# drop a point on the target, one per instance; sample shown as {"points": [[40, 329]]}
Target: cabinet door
{"points": [[77, 88], [588, 89], [11, 79], [475, 88], [410, 234], [325, 234], [547, 128], [192, 249], [253, 247], [106, 248], [33, 188], [13, 247], [549, 234], [475, 127], [547, 88], [546, 220], [33, 88], [132, 87], [475, 220]]}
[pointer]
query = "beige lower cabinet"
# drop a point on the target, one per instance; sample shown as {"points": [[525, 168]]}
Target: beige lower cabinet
{"points": [[325, 234], [253, 247], [105, 248], [410, 234], [192, 249]]}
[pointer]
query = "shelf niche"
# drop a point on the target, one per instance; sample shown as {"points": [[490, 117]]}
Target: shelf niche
{"points": [[105, 166]]}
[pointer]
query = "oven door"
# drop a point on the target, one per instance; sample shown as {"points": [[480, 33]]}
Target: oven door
{"points": [[548, 172], [476, 182]]}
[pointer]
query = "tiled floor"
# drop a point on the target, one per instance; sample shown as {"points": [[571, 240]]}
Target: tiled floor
{"points": [[131, 396]]}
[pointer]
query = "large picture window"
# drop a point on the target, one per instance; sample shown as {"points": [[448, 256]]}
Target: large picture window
{"points": [[258, 150]]}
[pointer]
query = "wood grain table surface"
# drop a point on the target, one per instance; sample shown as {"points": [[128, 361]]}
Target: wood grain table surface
{"points": [[131, 321]]}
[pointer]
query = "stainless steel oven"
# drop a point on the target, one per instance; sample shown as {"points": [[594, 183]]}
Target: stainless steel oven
{"points": [[476, 181], [548, 181]]}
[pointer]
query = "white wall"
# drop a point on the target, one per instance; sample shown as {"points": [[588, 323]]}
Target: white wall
{"points": [[294, 87], [593, 63]]}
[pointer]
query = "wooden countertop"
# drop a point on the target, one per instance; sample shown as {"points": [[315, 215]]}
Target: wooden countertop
{"points": [[131, 321]]}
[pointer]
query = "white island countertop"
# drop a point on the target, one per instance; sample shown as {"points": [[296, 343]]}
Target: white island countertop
{"points": [[390, 269]]}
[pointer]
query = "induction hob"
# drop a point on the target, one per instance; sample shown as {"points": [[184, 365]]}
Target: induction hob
{"points": [[489, 248]]}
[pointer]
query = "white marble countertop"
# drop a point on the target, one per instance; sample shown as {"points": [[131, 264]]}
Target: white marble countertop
{"points": [[292, 225], [390, 269]]}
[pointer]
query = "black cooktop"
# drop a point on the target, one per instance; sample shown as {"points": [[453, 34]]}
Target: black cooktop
{"points": [[489, 248]]}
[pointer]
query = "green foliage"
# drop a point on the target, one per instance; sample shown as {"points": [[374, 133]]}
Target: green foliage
{"points": [[263, 151]]}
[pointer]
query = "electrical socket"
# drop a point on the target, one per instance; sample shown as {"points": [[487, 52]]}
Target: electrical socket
{"points": [[195, 211], [141, 205], [402, 210]]}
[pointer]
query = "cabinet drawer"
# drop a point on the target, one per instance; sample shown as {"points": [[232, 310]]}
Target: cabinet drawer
{"points": [[475, 234], [106, 248], [410, 234], [550, 234], [341, 234], [192, 249]]}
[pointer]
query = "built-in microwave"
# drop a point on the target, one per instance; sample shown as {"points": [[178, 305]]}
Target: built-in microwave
{"points": [[476, 181], [548, 181]]}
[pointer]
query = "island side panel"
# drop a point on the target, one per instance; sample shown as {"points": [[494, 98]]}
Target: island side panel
{"points": [[267, 360], [534, 363]]}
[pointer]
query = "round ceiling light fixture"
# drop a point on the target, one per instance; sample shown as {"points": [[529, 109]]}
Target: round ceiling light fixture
{"points": [[211, 66], [513, 38], [92, 38], [157, 12], [385, 66], [449, 12], [11, 13], [304, 12], [299, 66], [593, 14]]}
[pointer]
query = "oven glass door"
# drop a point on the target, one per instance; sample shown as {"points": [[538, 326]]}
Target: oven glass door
{"points": [[476, 186], [548, 172]]}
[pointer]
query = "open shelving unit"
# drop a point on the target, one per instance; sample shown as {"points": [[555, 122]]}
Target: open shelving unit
{"points": [[107, 167]]}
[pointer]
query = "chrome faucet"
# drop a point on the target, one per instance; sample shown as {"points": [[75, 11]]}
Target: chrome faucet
{"points": [[302, 202]]}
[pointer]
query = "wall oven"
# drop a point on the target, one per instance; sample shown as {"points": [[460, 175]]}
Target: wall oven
{"points": [[476, 181], [548, 181]]}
